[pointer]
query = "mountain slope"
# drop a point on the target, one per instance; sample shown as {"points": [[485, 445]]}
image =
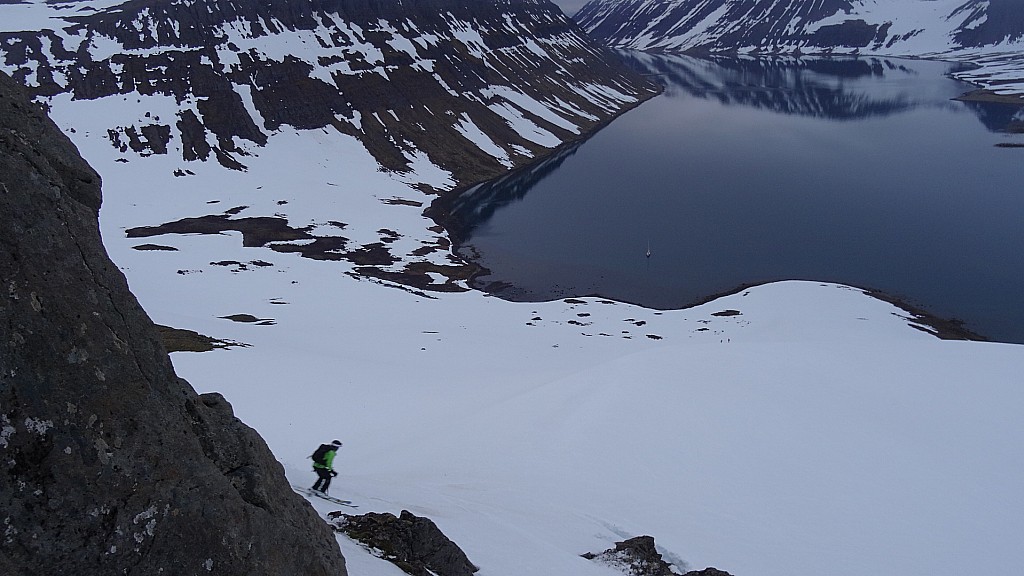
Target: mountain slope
{"points": [[805, 24], [949, 28], [475, 87], [440, 94]]}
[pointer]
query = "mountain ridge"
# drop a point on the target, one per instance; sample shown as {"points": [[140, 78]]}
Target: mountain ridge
{"points": [[987, 34]]}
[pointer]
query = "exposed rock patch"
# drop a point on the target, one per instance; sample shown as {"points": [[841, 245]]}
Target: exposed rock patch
{"points": [[639, 557], [278, 235], [635, 557], [181, 340], [708, 572], [250, 319], [413, 543]]}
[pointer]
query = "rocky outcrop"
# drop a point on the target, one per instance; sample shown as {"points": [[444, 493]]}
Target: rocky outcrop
{"points": [[109, 463], [708, 572], [639, 557], [635, 557], [413, 543]]}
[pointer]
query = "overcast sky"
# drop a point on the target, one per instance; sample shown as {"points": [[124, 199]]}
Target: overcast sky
{"points": [[570, 6]]}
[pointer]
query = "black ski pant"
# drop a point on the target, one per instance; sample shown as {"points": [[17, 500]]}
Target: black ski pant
{"points": [[323, 480]]}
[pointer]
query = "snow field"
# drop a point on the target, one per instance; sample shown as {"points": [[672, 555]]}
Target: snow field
{"points": [[788, 445], [813, 433]]}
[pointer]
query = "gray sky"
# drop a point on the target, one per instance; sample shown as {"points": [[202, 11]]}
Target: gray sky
{"points": [[570, 6]]}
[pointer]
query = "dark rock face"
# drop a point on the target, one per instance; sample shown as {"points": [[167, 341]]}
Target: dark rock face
{"points": [[413, 543], [109, 463]]}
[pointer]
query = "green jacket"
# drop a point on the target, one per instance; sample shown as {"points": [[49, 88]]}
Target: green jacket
{"points": [[328, 460]]}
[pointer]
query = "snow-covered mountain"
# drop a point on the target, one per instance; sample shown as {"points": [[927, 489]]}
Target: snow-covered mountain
{"points": [[791, 429], [473, 87], [841, 25], [438, 94], [975, 30]]}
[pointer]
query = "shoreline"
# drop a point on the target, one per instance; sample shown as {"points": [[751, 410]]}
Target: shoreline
{"points": [[987, 95], [950, 328], [918, 317], [439, 209]]}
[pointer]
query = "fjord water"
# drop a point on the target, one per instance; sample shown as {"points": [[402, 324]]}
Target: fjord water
{"points": [[750, 170]]}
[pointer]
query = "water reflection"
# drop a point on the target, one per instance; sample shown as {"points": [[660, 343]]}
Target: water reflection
{"points": [[750, 170], [462, 213], [998, 117], [843, 88], [803, 86]]}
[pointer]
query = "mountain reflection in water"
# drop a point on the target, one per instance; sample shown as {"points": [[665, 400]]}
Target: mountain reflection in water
{"points": [[750, 170]]}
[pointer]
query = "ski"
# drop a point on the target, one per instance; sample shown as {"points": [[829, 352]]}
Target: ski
{"points": [[322, 496], [335, 500]]}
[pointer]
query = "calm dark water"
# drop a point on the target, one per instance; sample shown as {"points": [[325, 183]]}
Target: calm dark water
{"points": [[859, 171]]}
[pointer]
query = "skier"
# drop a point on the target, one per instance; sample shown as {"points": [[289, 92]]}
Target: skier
{"points": [[323, 465]]}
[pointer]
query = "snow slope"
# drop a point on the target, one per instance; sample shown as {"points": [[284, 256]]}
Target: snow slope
{"points": [[814, 432]]}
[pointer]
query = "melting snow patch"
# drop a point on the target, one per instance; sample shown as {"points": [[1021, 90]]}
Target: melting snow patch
{"points": [[474, 134], [531, 105], [422, 170]]}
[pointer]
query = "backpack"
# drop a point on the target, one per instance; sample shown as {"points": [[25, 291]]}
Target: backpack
{"points": [[321, 453]]}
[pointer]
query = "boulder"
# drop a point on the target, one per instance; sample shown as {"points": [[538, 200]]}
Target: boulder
{"points": [[413, 543], [110, 463], [635, 557], [639, 557]]}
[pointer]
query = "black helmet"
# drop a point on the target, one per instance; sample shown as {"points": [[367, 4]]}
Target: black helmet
{"points": [[336, 442]]}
